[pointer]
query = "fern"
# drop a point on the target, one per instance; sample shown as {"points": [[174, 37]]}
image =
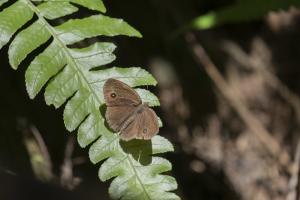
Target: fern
{"points": [[73, 76]]}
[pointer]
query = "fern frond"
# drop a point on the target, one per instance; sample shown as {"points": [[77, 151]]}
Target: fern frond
{"points": [[74, 77], [137, 172]]}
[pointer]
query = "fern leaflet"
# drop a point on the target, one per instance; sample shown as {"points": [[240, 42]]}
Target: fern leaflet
{"points": [[75, 76]]}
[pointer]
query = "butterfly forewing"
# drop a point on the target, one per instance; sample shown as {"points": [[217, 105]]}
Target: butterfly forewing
{"points": [[117, 93]]}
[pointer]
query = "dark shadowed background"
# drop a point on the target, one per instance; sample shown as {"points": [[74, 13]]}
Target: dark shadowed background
{"points": [[234, 124]]}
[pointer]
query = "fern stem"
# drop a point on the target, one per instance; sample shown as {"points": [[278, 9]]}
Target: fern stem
{"points": [[64, 48], [137, 176]]}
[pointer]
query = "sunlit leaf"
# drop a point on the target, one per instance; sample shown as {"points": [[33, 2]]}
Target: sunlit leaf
{"points": [[74, 77]]}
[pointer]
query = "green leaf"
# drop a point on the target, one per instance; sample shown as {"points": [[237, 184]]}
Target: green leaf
{"points": [[2, 2], [78, 29], [23, 43], [136, 170], [90, 4], [148, 97], [244, 10], [74, 77], [13, 18], [53, 10]]}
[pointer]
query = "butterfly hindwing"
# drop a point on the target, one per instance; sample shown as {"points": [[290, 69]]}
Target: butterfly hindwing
{"points": [[143, 126]]}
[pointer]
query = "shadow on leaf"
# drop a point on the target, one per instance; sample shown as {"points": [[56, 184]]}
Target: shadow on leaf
{"points": [[102, 109], [141, 150]]}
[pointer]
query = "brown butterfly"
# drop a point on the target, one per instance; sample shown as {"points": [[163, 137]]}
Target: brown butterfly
{"points": [[126, 113]]}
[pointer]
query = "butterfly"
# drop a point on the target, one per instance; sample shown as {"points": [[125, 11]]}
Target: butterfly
{"points": [[127, 114]]}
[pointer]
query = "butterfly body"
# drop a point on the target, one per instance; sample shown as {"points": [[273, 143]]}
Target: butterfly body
{"points": [[127, 114]]}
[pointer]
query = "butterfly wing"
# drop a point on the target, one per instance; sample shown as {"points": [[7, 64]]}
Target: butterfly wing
{"points": [[117, 115], [126, 113], [117, 93], [143, 126]]}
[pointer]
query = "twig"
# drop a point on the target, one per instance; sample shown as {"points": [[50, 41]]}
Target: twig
{"points": [[257, 65], [239, 55], [293, 186], [37, 150], [234, 98], [43, 148], [67, 179], [7, 171]]}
